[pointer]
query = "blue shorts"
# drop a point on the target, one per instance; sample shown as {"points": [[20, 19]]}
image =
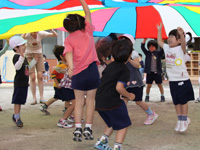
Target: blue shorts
{"points": [[68, 94], [117, 119], [86, 80], [181, 91], [153, 77], [20, 95], [138, 91], [64, 94]]}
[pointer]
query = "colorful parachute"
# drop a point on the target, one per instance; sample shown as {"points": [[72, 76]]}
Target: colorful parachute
{"points": [[136, 17]]}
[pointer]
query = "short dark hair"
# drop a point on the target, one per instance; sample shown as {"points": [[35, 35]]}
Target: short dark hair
{"points": [[153, 43], [58, 50], [175, 33], [74, 22], [14, 48], [140, 55], [44, 56], [121, 50]]}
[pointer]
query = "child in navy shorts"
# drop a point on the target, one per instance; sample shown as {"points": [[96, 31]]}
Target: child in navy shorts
{"points": [[68, 95], [21, 78], [81, 57], [153, 67], [135, 84], [57, 75], [109, 105], [180, 85]]}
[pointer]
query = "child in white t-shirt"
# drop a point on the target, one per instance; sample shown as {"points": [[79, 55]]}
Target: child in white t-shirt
{"points": [[180, 85]]}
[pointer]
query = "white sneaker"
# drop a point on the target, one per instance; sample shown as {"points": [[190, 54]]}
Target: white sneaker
{"points": [[177, 125], [184, 125], [197, 100]]}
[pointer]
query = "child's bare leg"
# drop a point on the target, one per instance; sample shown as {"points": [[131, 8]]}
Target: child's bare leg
{"points": [[143, 105], [121, 135], [17, 108], [50, 101], [40, 85], [178, 110], [108, 131], [69, 110], [33, 86], [161, 88], [78, 110], [184, 109], [90, 104], [67, 104], [148, 88]]}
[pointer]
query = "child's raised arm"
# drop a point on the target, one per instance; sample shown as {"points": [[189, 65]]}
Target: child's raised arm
{"points": [[182, 37], [159, 37], [86, 10]]}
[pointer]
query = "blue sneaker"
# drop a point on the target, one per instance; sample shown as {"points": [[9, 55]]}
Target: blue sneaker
{"points": [[102, 145]]}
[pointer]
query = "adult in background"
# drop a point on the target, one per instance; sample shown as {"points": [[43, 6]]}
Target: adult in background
{"points": [[34, 48]]}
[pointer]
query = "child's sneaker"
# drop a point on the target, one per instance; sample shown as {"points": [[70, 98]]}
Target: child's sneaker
{"points": [[88, 133], [71, 119], [43, 108], [18, 122], [147, 99], [77, 135], [64, 124], [177, 125], [151, 118], [184, 125], [197, 100], [117, 148], [162, 98], [102, 145]]}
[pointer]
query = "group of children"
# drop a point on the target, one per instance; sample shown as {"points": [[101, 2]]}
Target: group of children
{"points": [[77, 80]]}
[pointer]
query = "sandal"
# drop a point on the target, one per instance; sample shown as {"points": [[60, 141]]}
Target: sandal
{"points": [[34, 102], [42, 101]]}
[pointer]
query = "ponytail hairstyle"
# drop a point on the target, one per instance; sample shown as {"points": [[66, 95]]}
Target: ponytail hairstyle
{"points": [[188, 38], [74, 22]]}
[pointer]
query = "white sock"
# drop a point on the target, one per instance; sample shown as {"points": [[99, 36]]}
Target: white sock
{"points": [[117, 145], [89, 125], [78, 125], [104, 138]]}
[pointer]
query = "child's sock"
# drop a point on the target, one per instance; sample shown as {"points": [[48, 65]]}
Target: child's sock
{"points": [[104, 138], [184, 118], [16, 116], [180, 117], [78, 125], [149, 111], [117, 146], [88, 125]]}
